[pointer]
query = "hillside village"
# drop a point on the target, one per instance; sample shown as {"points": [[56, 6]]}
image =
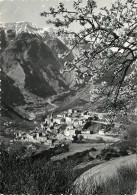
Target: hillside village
{"points": [[67, 126]]}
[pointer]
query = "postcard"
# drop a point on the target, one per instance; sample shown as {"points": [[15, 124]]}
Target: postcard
{"points": [[68, 97]]}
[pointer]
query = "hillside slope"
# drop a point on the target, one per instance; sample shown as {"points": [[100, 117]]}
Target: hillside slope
{"points": [[103, 172], [29, 64]]}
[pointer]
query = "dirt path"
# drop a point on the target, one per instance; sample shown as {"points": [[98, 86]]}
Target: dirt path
{"points": [[49, 102]]}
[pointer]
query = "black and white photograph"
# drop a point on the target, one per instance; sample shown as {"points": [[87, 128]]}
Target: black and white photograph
{"points": [[68, 95]]}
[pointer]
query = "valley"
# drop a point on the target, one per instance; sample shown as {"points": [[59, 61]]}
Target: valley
{"points": [[47, 116]]}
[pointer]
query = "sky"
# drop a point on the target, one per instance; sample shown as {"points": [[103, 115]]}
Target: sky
{"points": [[29, 10]]}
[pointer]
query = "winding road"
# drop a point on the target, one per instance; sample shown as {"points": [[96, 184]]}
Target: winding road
{"points": [[49, 102]]}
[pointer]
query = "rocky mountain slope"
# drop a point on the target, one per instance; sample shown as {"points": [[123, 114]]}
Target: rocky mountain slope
{"points": [[48, 36], [30, 63], [32, 66], [31, 69]]}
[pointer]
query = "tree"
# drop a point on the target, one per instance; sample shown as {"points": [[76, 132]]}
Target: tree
{"points": [[107, 48]]}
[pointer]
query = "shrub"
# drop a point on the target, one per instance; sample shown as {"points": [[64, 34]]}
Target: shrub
{"points": [[101, 140], [80, 137], [110, 152], [108, 155], [27, 177], [93, 149], [98, 157], [123, 152], [128, 141], [87, 125]]}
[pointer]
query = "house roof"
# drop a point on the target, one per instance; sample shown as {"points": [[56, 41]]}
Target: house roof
{"points": [[58, 118]]}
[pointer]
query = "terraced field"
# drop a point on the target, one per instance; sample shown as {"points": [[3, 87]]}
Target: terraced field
{"points": [[77, 148]]}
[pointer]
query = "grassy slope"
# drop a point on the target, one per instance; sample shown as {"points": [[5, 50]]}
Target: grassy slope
{"points": [[104, 171]]}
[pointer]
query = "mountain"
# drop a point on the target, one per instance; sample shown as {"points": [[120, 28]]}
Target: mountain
{"points": [[48, 36], [19, 27], [29, 66]]}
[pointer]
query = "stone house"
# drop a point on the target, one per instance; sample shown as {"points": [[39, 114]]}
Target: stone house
{"points": [[70, 133], [86, 132], [60, 136], [42, 126], [47, 121], [18, 134], [30, 136], [70, 127], [23, 138], [75, 111], [86, 116], [76, 123], [65, 115], [70, 111], [81, 122], [66, 132], [60, 116], [59, 120], [49, 141], [51, 124], [69, 120]]}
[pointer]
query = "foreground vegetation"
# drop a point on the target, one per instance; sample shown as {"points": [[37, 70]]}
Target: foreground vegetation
{"points": [[26, 176], [39, 177], [124, 182]]}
